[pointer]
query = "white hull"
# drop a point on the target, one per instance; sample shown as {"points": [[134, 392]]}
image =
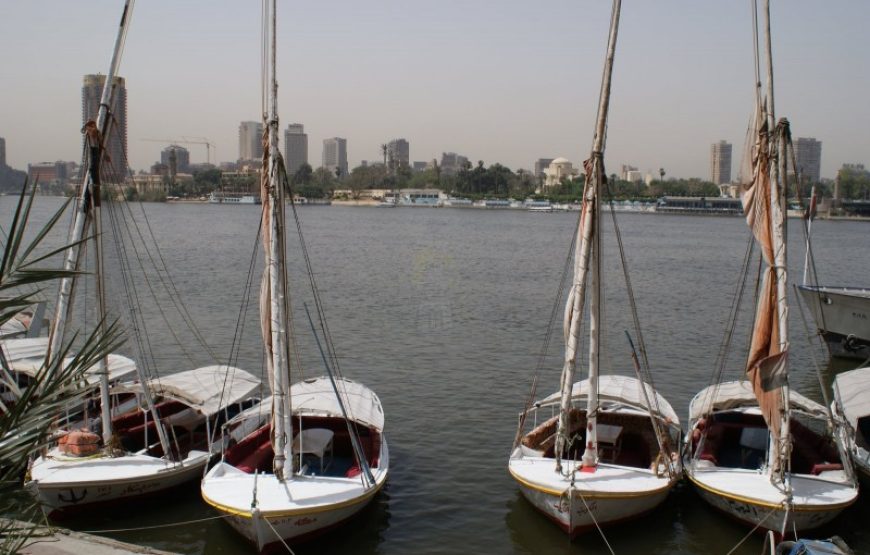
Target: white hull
{"points": [[748, 496], [62, 483], [612, 493], [842, 315], [290, 511]]}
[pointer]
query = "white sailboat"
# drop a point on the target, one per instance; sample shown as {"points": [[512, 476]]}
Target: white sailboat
{"points": [[610, 460], [321, 456], [149, 450], [757, 450]]}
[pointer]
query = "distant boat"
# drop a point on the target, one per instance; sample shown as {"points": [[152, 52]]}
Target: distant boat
{"points": [[222, 197], [842, 316]]}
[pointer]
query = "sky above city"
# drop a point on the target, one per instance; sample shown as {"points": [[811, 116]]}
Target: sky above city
{"points": [[495, 80]]}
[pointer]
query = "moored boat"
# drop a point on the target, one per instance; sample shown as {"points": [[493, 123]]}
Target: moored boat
{"points": [[316, 454], [852, 405], [607, 453]]}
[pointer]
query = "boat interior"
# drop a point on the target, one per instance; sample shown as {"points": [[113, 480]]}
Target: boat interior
{"points": [[862, 433], [625, 439], [186, 429], [736, 439], [325, 444]]}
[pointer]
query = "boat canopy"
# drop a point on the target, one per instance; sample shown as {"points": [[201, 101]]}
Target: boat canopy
{"points": [[28, 347], [738, 394], [621, 389], [851, 391], [119, 367], [316, 397], [206, 390]]}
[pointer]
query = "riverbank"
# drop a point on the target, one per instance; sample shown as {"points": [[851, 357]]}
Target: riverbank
{"points": [[60, 541]]}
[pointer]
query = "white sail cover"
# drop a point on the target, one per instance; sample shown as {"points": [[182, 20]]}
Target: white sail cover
{"points": [[622, 389], [732, 395], [852, 390], [207, 390]]}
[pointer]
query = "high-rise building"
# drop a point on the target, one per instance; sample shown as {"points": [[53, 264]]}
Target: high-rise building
{"points": [[295, 148], [451, 163], [176, 159], [2, 152], [251, 140], [335, 156], [720, 163], [808, 153], [398, 153], [115, 163]]}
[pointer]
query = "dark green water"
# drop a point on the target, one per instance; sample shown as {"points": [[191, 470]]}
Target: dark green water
{"points": [[443, 313]]}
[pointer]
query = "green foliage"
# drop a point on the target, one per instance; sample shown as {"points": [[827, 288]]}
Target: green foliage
{"points": [[25, 425], [367, 177], [854, 182], [303, 175]]}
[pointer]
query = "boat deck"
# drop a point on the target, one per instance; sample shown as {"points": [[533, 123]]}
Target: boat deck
{"points": [[809, 492], [607, 480]]}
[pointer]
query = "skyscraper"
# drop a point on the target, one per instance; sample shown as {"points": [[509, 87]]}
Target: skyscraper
{"points": [[335, 155], [115, 163], [808, 153], [720, 163], [295, 147], [2, 152], [398, 153], [181, 162], [251, 140]]}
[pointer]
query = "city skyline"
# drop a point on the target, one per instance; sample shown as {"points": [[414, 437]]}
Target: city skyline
{"points": [[453, 91]]}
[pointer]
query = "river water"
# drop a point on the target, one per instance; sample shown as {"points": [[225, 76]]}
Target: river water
{"points": [[443, 312]]}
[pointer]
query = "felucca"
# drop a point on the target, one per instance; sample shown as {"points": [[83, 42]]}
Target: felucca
{"points": [[322, 456], [756, 449], [140, 452], [605, 455]]}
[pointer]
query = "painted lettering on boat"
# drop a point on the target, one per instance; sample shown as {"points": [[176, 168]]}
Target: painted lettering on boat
{"points": [[305, 521]]}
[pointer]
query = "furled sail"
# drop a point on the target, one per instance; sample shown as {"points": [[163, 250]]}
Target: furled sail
{"points": [[766, 366]]}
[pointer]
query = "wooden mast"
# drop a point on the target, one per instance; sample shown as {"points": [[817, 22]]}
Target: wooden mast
{"points": [[589, 233]]}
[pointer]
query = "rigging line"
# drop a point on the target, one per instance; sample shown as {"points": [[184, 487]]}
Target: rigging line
{"points": [[144, 245], [548, 334], [266, 520], [155, 526], [327, 336], [749, 534], [592, 516], [728, 335], [175, 296]]}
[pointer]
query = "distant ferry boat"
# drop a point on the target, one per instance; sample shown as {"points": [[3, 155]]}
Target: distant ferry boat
{"points": [[221, 197], [493, 203], [533, 205], [700, 205], [456, 201]]}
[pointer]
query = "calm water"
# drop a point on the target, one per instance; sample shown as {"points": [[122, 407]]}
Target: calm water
{"points": [[443, 313]]}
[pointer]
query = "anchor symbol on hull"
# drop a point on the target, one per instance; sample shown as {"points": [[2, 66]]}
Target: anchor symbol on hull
{"points": [[72, 496]]}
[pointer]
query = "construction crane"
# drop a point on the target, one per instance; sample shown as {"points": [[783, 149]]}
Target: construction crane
{"points": [[190, 141]]}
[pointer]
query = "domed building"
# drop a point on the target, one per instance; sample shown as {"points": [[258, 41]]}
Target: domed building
{"points": [[558, 168]]}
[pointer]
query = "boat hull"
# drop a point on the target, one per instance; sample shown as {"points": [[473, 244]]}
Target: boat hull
{"points": [[769, 514], [287, 512], [842, 316], [583, 507], [65, 487]]}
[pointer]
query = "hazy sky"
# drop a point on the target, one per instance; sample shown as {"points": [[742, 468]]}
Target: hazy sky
{"points": [[500, 81]]}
